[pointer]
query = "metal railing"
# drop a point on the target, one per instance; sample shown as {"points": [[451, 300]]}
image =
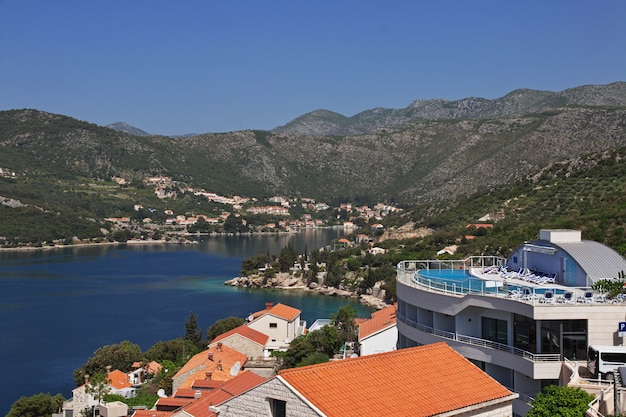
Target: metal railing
{"points": [[416, 274], [476, 341]]}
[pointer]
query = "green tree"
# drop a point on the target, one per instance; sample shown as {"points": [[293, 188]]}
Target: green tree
{"points": [[38, 405], [175, 350], [287, 258], [560, 401], [325, 340], [222, 326], [120, 356], [345, 324], [98, 387], [192, 334]]}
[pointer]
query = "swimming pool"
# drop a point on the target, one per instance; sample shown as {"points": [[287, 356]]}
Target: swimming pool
{"points": [[460, 281]]}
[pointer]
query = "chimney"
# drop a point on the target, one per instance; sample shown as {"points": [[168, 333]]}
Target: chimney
{"points": [[86, 378], [219, 346], [108, 369], [197, 394], [208, 375], [269, 305], [210, 356], [219, 365]]}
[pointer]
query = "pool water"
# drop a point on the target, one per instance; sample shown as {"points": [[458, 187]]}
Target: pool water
{"points": [[461, 281]]}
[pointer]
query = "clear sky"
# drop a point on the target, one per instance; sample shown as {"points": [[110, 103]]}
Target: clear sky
{"points": [[196, 66]]}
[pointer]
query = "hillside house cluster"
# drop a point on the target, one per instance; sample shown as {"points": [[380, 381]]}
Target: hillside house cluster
{"points": [[228, 379]]}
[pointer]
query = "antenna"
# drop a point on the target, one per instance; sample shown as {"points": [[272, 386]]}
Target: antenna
{"points": [[235, 369]]}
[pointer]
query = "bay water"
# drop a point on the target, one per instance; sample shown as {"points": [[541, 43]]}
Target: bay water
{"points": [[59, 305]]}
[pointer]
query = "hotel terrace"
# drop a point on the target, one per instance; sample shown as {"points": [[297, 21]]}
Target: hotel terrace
{"points": [[522, 320]]}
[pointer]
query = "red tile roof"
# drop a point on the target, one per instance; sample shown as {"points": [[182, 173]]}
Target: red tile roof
{"points": [[173, 402], [279, 310], [381, 320], [211, 360], [245, 331], [238, 385], [203, 384], [118, 379], [421, 381], [152, 413]]}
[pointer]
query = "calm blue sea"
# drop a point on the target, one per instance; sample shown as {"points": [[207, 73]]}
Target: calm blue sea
{"points": [[57, 306]]}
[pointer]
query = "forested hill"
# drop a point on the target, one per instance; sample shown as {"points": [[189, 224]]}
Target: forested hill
{"points": [[424, 161]]}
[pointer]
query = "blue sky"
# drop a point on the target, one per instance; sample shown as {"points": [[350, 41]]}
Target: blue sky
{"points": [[214, 66]]}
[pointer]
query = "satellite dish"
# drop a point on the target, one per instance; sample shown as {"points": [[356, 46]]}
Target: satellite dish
{"points": [[161, 393], [250, 317], [235, 369]]}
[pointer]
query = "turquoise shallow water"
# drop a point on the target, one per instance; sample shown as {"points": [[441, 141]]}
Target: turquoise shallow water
{"points": [[58, 306]]}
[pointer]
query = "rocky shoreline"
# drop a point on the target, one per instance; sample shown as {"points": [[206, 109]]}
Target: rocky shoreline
{"points": [[286, 281]]}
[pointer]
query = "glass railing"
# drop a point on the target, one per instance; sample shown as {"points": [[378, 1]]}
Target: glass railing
{"points": [[454, 277], [475, 341]]}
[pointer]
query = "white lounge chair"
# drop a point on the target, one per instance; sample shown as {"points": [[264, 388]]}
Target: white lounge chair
{"points": [[547, 298]]}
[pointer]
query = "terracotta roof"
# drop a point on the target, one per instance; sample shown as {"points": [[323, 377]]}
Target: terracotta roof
{"points": [[154, 367], [238, 385], [118, 380], [245, 331], [420, 381], [152, 413], [171, 402], [203, 384], [279, 310], [185, 393], [381, 319], [211, 360]]}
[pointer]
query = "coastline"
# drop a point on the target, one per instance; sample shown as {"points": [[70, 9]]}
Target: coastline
{"points": [[85, 244], [286, 281]]}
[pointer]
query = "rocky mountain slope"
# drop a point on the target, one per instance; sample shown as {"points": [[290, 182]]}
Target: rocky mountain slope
{"points": [[416, 161], [516, 103]]}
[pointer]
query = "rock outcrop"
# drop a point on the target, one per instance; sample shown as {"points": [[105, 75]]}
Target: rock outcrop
{"points": [[286, 281]]}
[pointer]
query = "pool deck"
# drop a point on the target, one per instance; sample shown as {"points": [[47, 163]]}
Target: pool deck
{"points": [[518, 282]]}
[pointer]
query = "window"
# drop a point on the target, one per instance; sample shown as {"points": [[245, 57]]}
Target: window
{"points": [[494, 330], [278, 408], [273, 325]]}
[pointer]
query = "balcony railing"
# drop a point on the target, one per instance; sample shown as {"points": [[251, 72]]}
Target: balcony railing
{"points": [[475, 341], [425, 274]]}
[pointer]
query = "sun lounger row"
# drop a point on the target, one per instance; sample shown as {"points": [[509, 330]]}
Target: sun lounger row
{"points": [[527, 275]]}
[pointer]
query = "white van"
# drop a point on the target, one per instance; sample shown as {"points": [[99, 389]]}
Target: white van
{"points": [[603, 361]]}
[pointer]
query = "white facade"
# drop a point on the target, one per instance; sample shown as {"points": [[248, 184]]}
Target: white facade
{"points": [[280, 330], [384, 340], [521, 342]]}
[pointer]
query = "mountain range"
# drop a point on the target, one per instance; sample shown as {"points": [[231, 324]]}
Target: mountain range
{"points": [[433, 150]]}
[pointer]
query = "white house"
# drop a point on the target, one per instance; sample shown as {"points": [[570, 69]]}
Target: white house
{"points": [[379, 334], [280, 322]]}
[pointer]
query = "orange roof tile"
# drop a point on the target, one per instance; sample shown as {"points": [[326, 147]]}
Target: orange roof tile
{"points": [[279, 310], [421, 381], [238, 385], [152, 413], [118, 379], [246, 332], [204, 384], [185, 393], [197, 367], [172, 402], [381, 319]]}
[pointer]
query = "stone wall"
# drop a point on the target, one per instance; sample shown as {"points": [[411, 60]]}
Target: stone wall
{"points": [[256, 402]]}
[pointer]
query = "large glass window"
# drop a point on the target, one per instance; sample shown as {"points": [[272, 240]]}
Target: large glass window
{"points": [[494, 330], [571, 333], [524, 333]]}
